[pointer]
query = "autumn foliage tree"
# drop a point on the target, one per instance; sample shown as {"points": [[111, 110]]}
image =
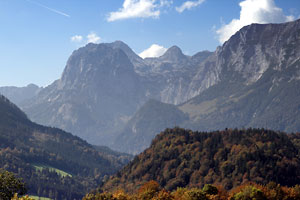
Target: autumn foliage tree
{"points": [[251, 191]]}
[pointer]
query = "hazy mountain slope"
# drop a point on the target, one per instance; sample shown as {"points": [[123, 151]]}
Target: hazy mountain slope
{"points": [[183, 158], [97, 93], [145, 124], [168, 78], [256, 82], [20, 94], [26, 148]]}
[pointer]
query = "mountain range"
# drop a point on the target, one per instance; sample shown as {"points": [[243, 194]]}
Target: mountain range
{"points": [[256, 84], [19, 95], [108, 95], [103, 85]]}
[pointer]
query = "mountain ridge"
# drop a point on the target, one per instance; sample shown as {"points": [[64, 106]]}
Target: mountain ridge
{"points": [[103, 85], [255, 83]]}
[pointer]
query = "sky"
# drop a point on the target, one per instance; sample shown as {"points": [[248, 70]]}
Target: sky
{"points": [[38, 36]]}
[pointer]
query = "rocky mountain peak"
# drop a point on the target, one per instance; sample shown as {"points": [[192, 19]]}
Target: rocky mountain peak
{"points": [[93, 61], [173, 54], [124, 47], [136, 60], [257, 47]]}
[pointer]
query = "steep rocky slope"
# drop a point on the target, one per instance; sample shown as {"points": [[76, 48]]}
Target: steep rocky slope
{"points": [[97, 93], [258, 84]]}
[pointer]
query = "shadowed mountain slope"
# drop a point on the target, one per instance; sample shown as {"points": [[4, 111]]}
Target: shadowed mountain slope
{"points": [[52, 162]]}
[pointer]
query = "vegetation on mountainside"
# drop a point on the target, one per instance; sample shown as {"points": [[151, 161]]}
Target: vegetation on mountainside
{"points": [[9, 185], [24, 145], [183, 158], [251, 191], [51, 169]]}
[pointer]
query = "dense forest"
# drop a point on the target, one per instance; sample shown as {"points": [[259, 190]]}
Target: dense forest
{"points": [[183, 158], [53, 163]]}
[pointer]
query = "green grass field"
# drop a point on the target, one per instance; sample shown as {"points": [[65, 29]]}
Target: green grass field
{"points": [[39, 198], [52, 169]]}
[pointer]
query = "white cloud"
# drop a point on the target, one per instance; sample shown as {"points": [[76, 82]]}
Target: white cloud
{"points": [[189, 5], [76, 38], [253, 11], [153, 51], [93, 38], [139, 9]]}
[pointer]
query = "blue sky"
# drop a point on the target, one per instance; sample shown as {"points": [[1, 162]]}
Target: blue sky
{"points": [[38, 36]]}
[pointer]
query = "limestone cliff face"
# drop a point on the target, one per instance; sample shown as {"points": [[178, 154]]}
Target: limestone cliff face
{"points": [[97, 93]]}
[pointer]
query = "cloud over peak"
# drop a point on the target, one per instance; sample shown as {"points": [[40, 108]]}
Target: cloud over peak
{"points": [[253, 11], [153, 51], [138, 9], [188, 5], [90, 38], [93, 38], [76, 38]]}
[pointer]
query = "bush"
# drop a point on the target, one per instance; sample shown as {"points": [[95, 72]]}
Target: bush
{"points": [[9, 185]]}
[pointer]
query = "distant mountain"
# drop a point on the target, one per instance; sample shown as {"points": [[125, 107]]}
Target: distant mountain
{"points": [[256, 77], [138, 133], [173, 77], [20, 94], [183, 158], [53, 163], [259, 82], [97, 93], [103, 85]]}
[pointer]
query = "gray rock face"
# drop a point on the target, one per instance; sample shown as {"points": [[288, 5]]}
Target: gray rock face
{"points": [[256, 48], [97, 93], [170, 76]]}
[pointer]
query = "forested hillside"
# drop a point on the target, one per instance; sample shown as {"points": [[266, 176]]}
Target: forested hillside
{"points": [[183, 158], [53, 163]]}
